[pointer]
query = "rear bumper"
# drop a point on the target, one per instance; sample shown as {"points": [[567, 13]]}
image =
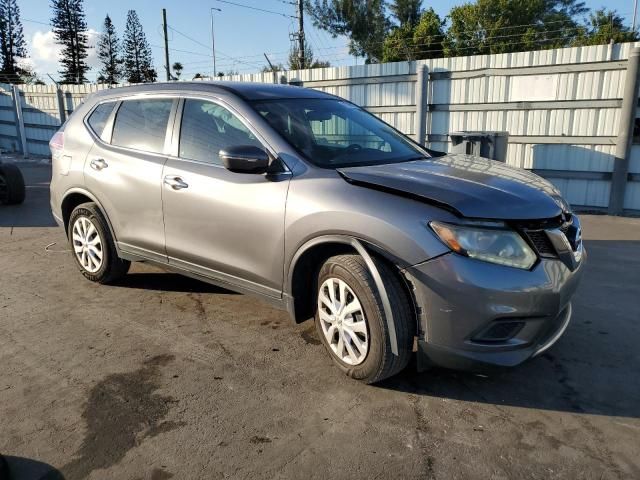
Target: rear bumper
{"points": [[460, 299]]}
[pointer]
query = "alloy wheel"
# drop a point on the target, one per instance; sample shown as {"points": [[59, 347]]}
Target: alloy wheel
{"points": [[87, 244], [343, 321]]}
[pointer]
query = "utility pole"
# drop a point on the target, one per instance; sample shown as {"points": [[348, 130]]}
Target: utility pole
{"points": [[166, 43], [301, 33], [635, 11], [213, 42], [269, 62]]}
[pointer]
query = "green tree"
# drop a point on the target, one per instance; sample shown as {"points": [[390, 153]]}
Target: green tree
{"points": [[363, 21], [70, 30], [423, 40], [406, 12], [177, 69], [604, 26], [398, 45], [429, 34], [109, 53], [309, 59], [138, 62], [12, 45], [501, 26]]}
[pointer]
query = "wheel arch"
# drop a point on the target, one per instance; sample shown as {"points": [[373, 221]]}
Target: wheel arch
{"points": [[307, 261], [76, 196]]}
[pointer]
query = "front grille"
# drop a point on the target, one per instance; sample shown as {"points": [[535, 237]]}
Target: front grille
{"points": [[541, 242]]}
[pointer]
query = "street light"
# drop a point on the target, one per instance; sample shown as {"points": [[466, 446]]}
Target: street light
{"points": [[213, 41]]}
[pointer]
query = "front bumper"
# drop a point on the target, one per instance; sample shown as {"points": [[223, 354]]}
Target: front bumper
{"points": [[459, 298]]}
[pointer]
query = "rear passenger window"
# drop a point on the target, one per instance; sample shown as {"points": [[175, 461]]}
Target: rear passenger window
{"points": [[98, 119], [208, 128], [142, 124]]}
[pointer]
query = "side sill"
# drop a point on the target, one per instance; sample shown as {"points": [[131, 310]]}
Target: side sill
{"points": [[135, 254]]}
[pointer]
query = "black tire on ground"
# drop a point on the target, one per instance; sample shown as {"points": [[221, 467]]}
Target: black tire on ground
{"points": [[112, 267], [12, 191], [380, 362]]}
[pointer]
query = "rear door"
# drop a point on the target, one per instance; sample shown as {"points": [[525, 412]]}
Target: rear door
{"points": [[124, 171], [222, 224]]}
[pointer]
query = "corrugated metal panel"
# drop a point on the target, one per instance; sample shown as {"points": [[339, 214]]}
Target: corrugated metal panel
{"points": [[481, 89], [632, 196], [592, 193]]}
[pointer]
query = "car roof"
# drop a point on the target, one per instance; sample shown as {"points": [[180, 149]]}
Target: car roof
{"points": [[246, 90]]}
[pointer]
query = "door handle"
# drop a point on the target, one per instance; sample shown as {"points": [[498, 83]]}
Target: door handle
{"points": [[98, 164], [175, 182]]}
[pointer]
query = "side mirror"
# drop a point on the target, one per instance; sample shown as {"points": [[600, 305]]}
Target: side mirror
{"points": [[245, 159]]}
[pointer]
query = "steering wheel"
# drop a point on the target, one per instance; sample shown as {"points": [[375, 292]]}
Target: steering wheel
{"points": [[353, 148]]}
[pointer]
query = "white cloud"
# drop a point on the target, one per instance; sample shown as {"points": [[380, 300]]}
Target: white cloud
{"points": [[44, 53]]}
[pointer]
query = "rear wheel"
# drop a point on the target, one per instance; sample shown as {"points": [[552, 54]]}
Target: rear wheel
{"points": [[92, 245], [351, 322], [12, 191]]}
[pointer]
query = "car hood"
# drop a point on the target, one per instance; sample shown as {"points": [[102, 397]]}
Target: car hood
{"points": [[471, 186]]}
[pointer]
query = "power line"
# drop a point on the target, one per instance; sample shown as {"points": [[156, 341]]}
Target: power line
{"points": [[256, 8], [207, 47], [36, 21]]}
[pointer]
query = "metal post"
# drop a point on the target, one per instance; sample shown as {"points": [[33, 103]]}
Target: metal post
{"points": [[274, 73], [635, 11], [61, 110], [22, 135], [625, 137], [166, 44], [422, 103]]}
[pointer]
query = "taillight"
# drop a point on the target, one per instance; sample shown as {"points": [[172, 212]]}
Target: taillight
{"points": [[56, 144]]}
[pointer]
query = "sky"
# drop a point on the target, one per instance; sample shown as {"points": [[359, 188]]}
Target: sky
{"points": [[242, 35]]}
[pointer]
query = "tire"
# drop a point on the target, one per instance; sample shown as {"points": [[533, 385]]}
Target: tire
{"points": [[12, 191], [86, 223], [379, 362]]}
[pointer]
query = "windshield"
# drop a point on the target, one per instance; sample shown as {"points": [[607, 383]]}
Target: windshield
{"points": [[333, 133]]}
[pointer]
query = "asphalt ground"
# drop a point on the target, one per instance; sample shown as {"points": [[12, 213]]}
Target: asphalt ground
{"points": [[163, 377]]}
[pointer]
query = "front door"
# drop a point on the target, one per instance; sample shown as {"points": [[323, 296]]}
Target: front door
{"points": [[221, 224]]}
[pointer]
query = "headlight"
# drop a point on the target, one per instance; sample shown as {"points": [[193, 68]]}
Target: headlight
{"points": [[504, 247]]}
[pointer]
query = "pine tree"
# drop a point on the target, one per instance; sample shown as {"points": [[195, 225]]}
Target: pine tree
{"points": [[138, 63], [109, 54], [70, 29], [407, 12], [12, 45]]}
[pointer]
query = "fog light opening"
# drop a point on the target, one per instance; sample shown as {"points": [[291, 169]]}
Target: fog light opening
{"points": [[499, 331]]}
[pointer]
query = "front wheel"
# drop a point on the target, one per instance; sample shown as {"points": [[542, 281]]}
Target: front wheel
{"points": [[351, 322], [92, 245]]}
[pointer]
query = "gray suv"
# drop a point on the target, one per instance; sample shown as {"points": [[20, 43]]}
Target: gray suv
{"points": [[324, 210]]}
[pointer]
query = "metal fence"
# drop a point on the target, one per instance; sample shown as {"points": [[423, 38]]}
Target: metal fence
{"points": [[563, 109]]}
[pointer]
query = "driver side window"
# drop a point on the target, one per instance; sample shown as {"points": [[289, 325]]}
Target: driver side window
{"points": [[208, 128]]}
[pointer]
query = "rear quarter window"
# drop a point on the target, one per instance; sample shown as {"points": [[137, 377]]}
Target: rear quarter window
{"points": [[142, 124], [98, 118]]}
